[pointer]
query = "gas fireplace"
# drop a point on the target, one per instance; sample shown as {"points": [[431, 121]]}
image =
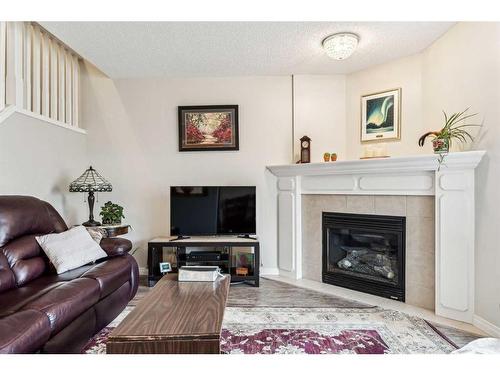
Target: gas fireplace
{"points": [[365, 253]]}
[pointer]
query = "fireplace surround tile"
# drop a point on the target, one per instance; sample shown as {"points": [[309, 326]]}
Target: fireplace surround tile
{"points": [[420, 295], [390, 205], [360, 204], [420, 206], [420, 257], [420, 234]]}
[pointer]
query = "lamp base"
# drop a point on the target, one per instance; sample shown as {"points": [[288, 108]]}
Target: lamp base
{"points": [[91, 223]]}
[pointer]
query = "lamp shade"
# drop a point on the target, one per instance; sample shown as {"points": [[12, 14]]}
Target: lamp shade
{"points": [[90, 181]]}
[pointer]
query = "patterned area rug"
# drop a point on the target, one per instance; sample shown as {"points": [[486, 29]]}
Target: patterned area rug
{"points": [[275, 330], [328, 330]]}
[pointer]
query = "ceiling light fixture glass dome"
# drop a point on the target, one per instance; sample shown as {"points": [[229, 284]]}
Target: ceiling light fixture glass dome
{"points": [[340, 46]]}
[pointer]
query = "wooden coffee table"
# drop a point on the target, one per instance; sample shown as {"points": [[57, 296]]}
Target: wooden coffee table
{"points": [[174, 318]]}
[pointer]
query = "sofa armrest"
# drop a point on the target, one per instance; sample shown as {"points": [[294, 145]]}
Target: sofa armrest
{"points": [[115, 246]]}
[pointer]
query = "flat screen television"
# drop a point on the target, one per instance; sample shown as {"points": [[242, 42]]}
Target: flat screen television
{"points": [[212, 210]]}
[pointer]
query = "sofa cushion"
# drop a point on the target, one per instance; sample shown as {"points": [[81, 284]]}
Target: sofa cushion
{"points": [[22, 215], [110, 274], [71, 249], [26, 259], [65, 302], [23, 332], [13, 300], [7, 279], [74, 336]]}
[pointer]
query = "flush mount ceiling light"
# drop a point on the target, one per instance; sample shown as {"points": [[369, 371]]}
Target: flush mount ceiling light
{"points": [[340, 46]]}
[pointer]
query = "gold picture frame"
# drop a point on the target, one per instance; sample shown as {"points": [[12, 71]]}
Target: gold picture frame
{"points": [[381, 116]]}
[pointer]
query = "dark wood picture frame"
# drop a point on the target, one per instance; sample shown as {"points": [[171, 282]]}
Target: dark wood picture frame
{"points": [[207, 146]]}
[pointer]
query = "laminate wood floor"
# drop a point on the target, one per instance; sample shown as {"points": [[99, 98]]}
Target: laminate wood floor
{"points": [[277, 294]]}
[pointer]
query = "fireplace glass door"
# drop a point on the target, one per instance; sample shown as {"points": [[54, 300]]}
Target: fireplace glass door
{"points": [[365, 253]]}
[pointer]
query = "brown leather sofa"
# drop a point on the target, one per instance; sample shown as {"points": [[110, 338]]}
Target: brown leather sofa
{"points": [[41, 311]]}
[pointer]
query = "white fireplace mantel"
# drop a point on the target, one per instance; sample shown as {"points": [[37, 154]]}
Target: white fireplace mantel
{"points": [[452, 184]]}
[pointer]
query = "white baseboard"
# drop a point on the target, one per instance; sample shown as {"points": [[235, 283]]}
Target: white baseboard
{"points": [[143, 271], [486, 326], [269, 271]]}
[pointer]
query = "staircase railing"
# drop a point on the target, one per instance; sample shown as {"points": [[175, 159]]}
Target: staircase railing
{"points": [[38, 73]]}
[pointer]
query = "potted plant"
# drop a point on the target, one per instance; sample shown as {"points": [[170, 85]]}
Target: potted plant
{"points": [[453, 129], [333, 156], [326, 156], [111, 213]]}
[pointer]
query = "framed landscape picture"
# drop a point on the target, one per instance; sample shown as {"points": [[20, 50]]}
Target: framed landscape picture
{"points": [[208, 128], [381, 116]]}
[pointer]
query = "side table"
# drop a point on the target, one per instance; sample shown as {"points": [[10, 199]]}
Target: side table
{"points": [[115, 230]]}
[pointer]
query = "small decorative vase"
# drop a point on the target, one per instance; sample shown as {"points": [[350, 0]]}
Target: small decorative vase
{"points": [[333, 157], [441, 146], [326, 156]]}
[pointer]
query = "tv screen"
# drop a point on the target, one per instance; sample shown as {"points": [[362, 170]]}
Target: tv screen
{"points": [[212, 210]]}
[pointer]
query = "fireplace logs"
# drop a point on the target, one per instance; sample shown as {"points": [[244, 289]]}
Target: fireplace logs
{"points": [[365, 261]]}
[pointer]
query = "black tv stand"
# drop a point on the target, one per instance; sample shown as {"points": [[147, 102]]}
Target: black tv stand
{"points": [[247, 236], [180, 238], [228, 261]]}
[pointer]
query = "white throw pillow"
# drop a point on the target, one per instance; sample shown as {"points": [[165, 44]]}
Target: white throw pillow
{"points": [[71, 249]]}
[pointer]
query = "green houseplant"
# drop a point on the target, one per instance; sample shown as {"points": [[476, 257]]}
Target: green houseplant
{"points": [[111, 213], [454, 129]]}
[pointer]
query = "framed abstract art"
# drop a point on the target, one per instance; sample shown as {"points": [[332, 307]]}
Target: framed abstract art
{"points": [[208, 128], [381, 116]]}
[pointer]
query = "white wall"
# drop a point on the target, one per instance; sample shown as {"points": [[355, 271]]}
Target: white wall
{"points": [[133, 140], [404, 73], [460, 70], [320, 113], [42, 159]]}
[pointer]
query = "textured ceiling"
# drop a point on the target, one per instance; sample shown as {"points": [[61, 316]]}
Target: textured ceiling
{"points": [[189, 49]]}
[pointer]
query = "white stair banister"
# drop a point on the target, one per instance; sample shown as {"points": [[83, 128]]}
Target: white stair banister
{"points": [[54, 79], [14, 91], [28, 37], [69, 87], [36, 61], [39, 75], [61, 93], [45, 71]]}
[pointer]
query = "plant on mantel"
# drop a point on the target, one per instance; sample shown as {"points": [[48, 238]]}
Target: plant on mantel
{"points": [[453, 129]]}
